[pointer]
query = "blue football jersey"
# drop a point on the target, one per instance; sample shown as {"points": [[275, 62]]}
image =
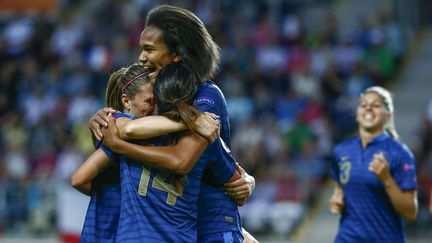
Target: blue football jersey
{"points": [[368, 214], [211, 99], [217, 212], [103, 212], [154, 209]]}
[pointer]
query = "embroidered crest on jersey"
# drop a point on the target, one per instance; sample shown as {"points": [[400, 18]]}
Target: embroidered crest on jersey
{"points": [[205, 100]]}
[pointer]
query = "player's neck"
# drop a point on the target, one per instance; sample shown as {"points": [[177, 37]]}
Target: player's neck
{"points": [[367, 136]]}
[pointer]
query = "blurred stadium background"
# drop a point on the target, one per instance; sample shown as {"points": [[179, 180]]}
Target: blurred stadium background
{"points": [[291, 72]]}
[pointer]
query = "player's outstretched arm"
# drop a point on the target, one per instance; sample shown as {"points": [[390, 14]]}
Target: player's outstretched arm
{"points": [[82, 177]]}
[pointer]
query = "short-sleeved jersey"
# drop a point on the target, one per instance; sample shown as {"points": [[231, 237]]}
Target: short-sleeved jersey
{"points": [[217, 211], [368, 214], [153, 209], [103, 212], [211, 99]]}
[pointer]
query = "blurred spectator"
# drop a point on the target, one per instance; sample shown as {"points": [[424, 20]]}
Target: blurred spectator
{"points": [[16, 162], [66, 36], [68, 161], [17, 33]]}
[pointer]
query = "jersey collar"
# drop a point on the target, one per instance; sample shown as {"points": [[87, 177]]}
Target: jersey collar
{"points": [[380, 138], [383, 136]]}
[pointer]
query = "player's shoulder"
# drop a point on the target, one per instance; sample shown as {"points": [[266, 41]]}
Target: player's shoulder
{"points": [[209, 93], [209, 88], [400, 147]]}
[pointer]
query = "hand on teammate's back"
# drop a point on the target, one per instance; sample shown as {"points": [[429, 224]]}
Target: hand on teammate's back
{"points": [[98, 120], [208, 126], [110, 134], [242, 188]]}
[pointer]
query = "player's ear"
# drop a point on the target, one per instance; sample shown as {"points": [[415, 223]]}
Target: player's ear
{"points": [[125, 102]]}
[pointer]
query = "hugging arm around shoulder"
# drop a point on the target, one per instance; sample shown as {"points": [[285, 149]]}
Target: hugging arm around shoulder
{"points": [[82, 177], [178, 158], [148, 127]]}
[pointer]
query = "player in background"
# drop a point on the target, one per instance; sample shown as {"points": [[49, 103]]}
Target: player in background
{"points": [[172, 34], [375, 176], [99, 176]]}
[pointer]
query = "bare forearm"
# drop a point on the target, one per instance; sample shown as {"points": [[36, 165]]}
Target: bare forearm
{"points": [[405, 202], [241, 188], [239, 201], [84, 189], [336, 201], [179, 158], [81, 181], [82, 177], [148, 154], [148, 127]]}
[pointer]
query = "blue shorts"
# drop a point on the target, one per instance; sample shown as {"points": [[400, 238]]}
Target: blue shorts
{"points": [[221, 237]]}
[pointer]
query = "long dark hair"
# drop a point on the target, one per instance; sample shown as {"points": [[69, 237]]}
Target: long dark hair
{"points": [[186, 35], [174, 90]]}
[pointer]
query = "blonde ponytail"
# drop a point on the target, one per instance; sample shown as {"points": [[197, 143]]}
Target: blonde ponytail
{"points": [[391, 129]]}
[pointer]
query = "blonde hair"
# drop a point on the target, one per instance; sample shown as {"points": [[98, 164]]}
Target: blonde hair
{"points": [[388, 102]]}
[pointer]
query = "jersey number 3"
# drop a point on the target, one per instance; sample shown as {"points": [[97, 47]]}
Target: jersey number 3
{"points": [[159, 183], [345, 169]]}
